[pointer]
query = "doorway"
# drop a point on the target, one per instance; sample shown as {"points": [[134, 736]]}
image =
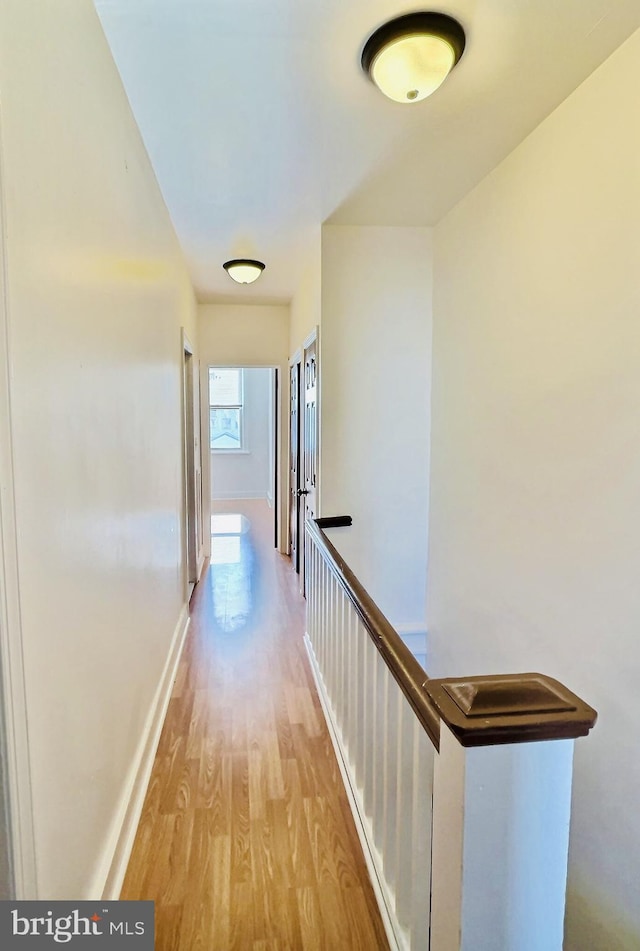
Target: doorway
{"points": [[244, 437]]}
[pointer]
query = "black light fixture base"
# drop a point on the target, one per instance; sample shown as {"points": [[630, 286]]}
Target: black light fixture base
{"points": [[239, 261], [437, 24], [257, 267]]}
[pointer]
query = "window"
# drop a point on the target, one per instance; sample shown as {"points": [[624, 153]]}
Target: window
{"points": [[226, 408]]}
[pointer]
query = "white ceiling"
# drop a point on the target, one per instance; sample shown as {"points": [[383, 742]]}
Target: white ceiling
{"points": [[261, 126]]}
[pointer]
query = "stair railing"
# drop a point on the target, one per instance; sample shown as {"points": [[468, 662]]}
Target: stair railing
{"points": [[460, 787]]}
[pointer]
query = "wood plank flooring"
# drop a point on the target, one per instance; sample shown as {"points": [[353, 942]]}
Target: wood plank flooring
{"points": [[246, 841]]}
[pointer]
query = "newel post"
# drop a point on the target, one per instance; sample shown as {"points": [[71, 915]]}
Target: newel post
{"points": [[501, 810]]}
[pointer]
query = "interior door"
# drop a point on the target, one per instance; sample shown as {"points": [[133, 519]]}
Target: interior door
{"points": [[294, 463], [310, 438], [191, 551]]}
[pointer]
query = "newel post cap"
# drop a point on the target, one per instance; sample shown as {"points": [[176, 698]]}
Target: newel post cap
{"points": [[509, 708]]}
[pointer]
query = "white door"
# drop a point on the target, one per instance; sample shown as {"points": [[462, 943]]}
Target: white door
{"points": [[310, 460]]}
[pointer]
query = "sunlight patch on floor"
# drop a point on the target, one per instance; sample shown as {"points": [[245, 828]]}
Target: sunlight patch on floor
{"points": [[225, 550]]}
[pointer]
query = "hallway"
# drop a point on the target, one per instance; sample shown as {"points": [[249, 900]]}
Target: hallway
{"points": [[246, 840]]}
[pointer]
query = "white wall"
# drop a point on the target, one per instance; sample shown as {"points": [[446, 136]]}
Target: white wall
{"points": [[306, 302], [245, 335], [97, 293], [247, 474], [534, 555], [375, 351]]}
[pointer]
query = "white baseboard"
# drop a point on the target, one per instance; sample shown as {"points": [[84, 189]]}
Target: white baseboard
{"points": [[415, 638], [363, 827], [107, 882], [408, 629]]}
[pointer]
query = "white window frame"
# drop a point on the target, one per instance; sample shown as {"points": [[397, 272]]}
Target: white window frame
{"points": [[239, 406]]}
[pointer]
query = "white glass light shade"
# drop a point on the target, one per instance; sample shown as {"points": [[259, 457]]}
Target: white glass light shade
{"points": [[412, 67], [243, 270], [410, 57]]}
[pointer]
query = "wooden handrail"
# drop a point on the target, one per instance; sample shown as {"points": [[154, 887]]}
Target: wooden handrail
{"points": [[405, 669], [480, 711]]}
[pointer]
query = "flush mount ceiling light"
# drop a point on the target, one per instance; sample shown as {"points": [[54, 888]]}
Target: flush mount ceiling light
{"points": [[244, 270], [409, 57]]}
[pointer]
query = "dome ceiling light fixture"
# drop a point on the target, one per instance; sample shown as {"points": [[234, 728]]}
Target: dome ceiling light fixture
{"points": [[410, 57], [244, 270]]}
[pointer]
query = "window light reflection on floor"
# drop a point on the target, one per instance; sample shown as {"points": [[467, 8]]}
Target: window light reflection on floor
{"points": [[225, 550], [231, 579]]}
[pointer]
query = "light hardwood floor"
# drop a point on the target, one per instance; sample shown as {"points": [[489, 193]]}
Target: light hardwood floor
{"points": [[246, 840]]}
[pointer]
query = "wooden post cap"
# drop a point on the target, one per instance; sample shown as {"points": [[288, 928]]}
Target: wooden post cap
{"points": [[509, 708]]}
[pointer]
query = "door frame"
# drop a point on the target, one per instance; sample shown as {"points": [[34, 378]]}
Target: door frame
{"points": [[275, 440], [190, 559], [16, 811]]}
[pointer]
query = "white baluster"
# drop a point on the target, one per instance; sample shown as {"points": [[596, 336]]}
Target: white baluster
{"points": [[326, 640], [324, 621], [310, 563], [352, 674], [380, 748], [391, 771], [406, 826], [370, 734], [334, 641], [316, 596], [361, 703], [424, 754], [341, 662]]}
